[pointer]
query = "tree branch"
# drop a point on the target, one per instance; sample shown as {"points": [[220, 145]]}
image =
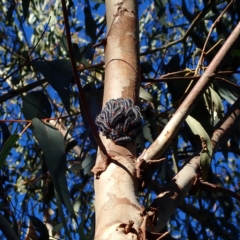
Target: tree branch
{"points": [[78, 83], [180, 185], [225, 127], [160, 145]]}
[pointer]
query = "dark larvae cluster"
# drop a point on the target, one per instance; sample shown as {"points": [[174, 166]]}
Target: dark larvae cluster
{"points": [[120, 120]]}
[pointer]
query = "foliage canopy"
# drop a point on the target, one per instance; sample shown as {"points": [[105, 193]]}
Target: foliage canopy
{"points": [[45, 174]]}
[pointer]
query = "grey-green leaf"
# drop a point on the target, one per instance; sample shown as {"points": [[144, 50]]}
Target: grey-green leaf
{"points": [[94, 101], [7, 227], [36, 104], [206, 155], [88, 164], [160, 7], [61, 214], [90, 23], [7, 148], [5, 134], [25, 6], [147, 132], [59, 75], [144, 94], [40, 227], [227, 90], [213, 103], [52, 144]]}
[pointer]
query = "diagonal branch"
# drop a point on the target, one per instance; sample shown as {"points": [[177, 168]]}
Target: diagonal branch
{"points": [[183, 38], [225, 127], [180, 185]]}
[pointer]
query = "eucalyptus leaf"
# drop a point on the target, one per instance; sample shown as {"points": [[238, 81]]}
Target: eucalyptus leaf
{"points": [[7, 147], [25, 6], [94, 103], [227, 90], [144, 94], [40, 227], [59, 75], [5, 134], [90, 23], [52, 144], [147, 133], [206, 153], [227, 95], [88, 163], [213, 103], [6, 226], [61, 214], [36, 104], [160, 7]]}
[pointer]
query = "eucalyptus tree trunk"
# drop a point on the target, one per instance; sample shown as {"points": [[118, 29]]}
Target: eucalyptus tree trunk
{"points": [[118, 212]]}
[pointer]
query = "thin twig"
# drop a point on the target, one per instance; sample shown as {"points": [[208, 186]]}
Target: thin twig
{"points": [[216, 188], [193, 24], [43, 119], [168, 79], [209, 34], [33, 85], [28, 125], [19, 91], [78, 83], [27, 60]]}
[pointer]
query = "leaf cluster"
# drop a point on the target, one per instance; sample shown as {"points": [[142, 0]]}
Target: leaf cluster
{"points": [[45, 168]]}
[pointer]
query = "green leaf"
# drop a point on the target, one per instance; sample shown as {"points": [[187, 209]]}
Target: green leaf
{"points": [[59, 75], [15, 80], [213, 103], [206, 154], [191, 233], [146, 67], [59, 226], [90, 23], [88, 163], [187, 14], [40, 227], [227, 91], [90, 234], [235, 53], [7, 148], [227, 95], [9, 16], [7, 227], [160, 7], [52, 144], [83, 53], [144, 94], [147, 132], [94, 103], [61, 214], [140, 141], [36, 104], [173, 65], [4, 133], [25, 6]]}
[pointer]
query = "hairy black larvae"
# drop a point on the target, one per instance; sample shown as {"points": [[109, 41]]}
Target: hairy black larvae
{"points": [[120, 120]]}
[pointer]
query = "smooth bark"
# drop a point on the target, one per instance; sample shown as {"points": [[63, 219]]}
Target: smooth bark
{"points": [[116, 191]]}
